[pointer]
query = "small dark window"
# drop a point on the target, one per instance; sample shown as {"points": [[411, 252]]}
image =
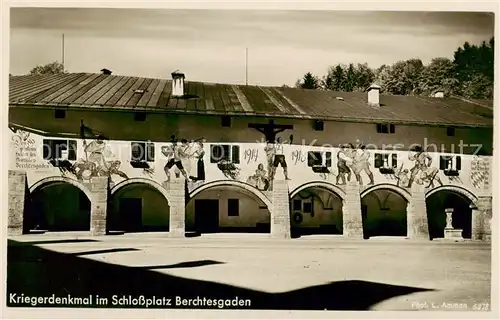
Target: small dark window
{"points": [[386, 128], [226, 121], [297, 205], [319, 125], [60, 114], [142, 151], [233, 207], [450, 132], [140, 116]]}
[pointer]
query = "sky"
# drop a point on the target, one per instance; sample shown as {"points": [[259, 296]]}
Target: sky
{"points": [[210, 45]]}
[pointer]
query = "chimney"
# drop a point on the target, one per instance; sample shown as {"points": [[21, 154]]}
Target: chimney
{"points": [[106, 71], [373, 95], [178, 84], [439, 94]]}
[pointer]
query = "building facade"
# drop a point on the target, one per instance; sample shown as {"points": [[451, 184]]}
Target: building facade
{"points": [[111, 154]]}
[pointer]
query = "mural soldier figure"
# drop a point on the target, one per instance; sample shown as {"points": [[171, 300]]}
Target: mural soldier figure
{"points": [[279, 159], [343, 158], [422, 170], [361, 163], [175, 154]]}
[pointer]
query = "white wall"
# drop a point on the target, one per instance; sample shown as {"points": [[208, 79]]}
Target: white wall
{"points": [[476, 179]]}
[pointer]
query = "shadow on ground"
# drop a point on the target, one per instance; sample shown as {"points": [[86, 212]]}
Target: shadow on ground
{"points": [[35, 271]]}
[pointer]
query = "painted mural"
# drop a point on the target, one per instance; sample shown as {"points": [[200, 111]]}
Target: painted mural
{"points": [[256, 164], [95, 162]]}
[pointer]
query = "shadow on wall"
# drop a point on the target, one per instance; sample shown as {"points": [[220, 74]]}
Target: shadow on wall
{"points": [[35, 271]]}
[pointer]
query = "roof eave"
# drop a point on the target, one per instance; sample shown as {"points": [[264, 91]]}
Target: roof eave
{"points": [[243, 113]]}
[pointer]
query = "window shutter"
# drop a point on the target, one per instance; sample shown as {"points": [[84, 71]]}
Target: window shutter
{"points": [[394, 160], [48, 146], [443, 162], [459, 163], [226, 153], [150, 152], [215, 153], [310, 159], [137, 151], [378, 160], [235, 154], [72, 150], [328, 159]]}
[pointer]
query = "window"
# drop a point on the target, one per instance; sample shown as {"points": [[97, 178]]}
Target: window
{"points": [[233, 207], [140, 116], [386, 128], [450, 132], [319, 125], [143, 152], [385, 160], [451, 165], [60, 114], [59, 149], [226, 121], [297, 205], [319, 159], [219, 152]]}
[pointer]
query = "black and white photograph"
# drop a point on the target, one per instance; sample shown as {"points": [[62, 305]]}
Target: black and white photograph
{"points": [[250, 159]]}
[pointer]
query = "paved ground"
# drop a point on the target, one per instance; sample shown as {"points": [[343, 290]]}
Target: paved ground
{"points": [[307, 273]]}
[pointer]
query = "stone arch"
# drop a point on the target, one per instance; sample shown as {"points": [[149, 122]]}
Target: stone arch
{"points": [[402, 192], [155, 185], [383, 218], [233, 183], [73, 182], [456, 189], [320, 184]]}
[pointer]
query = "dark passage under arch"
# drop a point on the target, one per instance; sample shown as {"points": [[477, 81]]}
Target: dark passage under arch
{"points": [[58, 206], [384, 213]]}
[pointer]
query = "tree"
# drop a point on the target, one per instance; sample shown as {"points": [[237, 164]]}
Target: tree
{"points": [[350, 79], [364, 76], [438, 74], [474, 69], [309, 81], [50, 68], [335, 78]]}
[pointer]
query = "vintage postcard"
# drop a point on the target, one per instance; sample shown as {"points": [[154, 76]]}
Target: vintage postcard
{"points": [[250, 160]]}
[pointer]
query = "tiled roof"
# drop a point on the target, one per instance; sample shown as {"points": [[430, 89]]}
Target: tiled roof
{"points": [[87, 90]]}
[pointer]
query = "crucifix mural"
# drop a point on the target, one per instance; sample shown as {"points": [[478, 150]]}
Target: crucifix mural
{"points": [[270, 130], [274, 148]]}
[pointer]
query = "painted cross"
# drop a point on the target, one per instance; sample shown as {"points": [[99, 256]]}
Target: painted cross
{"points": [[270, 130]]}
